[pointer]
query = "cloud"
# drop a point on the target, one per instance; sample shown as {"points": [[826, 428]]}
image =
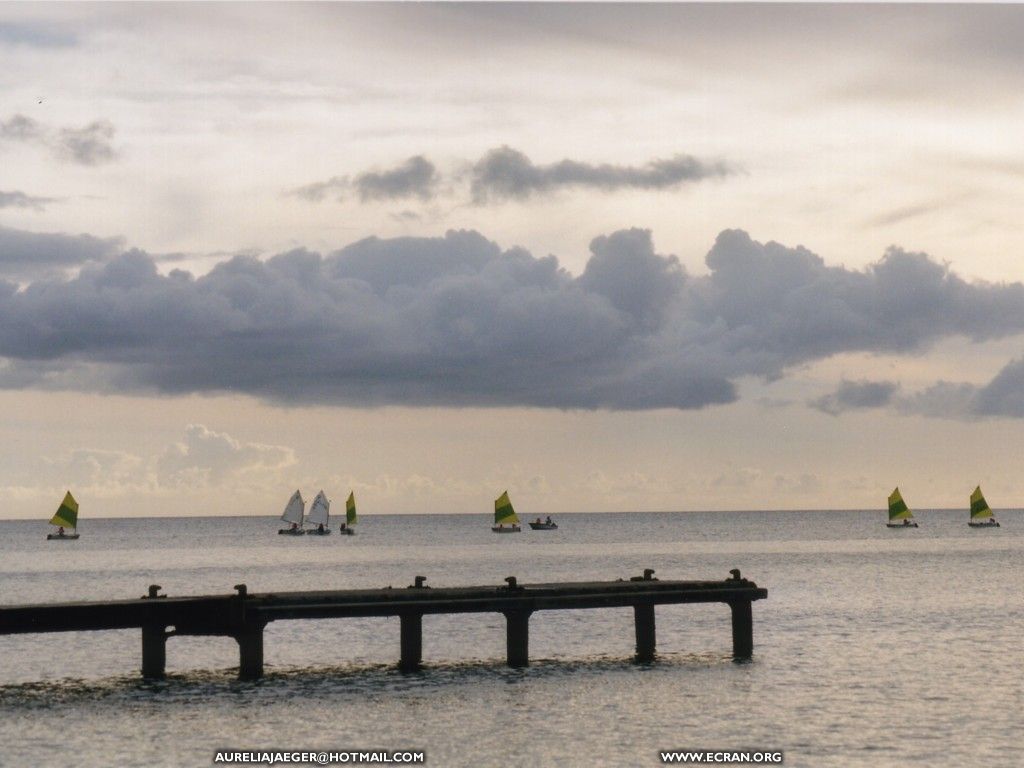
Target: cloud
{"points": [[90, 145], [854, 395], [459, 321], [35, 36], [1002, 397], [33, 255], [21, 128], [206, 457], [318, 191], [508, 174], [21, 200], [416, 177]]}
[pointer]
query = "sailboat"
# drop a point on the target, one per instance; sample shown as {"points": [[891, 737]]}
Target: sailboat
{"points": [[293, 514], [505, 515], [319, 514], [66, 516], [350, 516], [900, 515], [981, 514]]}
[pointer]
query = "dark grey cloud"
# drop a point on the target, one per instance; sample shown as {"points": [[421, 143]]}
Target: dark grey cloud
{"points": [[416, 177], [90, 145], [457, 320], [856, 395], [36, 36], [18, 199], [508, 174], [31, 255]]}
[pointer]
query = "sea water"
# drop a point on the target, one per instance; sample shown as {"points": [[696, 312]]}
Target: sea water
{"points": [[875, 647]]}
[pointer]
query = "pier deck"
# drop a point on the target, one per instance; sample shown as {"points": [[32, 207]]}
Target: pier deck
{"points": [[243, 616]]}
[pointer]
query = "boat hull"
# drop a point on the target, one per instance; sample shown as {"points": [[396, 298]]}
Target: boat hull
{"points": [[544, 526], [901, 525], [346, 532], [61, 536], [512, 529], [989, 524], [315, 532], [291, 532]]}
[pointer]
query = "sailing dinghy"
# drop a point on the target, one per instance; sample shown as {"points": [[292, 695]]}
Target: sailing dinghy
{"points": [[293, 514], [66, 516], [505, 515], [981, 514], [350, 516], [319, 514], [900, 515]]}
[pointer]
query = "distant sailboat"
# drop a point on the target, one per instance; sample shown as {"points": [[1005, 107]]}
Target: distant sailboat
{"points": [[293, 514], [900, 515], [350, 516], [981, 514], [319, 515], [66, 516], [505, 515]]}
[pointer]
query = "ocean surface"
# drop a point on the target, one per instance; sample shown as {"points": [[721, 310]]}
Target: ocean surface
{"points": [[874, 647]]}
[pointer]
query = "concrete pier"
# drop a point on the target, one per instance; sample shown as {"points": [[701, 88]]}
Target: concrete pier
{"points": [[243, 616], [517, 638], [643, 616], [411, 641]]}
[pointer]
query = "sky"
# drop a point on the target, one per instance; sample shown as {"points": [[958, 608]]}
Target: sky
{"points": [[607, 257]]}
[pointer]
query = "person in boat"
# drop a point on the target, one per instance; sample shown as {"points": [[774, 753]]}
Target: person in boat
{"points": [[60, 531], [538, 521], [546, 520], [906, 522], [320, 528], [295, 526], [341, 527]]}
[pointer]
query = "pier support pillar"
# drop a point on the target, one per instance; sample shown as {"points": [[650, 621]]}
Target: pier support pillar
{"points": [[742, 630], [643, 615], [250, 652], [154, 651], [517, 629], [412, 641]]}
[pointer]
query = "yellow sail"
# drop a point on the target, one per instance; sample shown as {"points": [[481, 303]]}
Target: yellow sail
{"points": [[898, 509], [66, 515], [350, 509], [979, 507], [503, 512]]}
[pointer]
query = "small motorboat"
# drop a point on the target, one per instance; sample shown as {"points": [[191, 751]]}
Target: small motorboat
{"points": [[544, 525]]}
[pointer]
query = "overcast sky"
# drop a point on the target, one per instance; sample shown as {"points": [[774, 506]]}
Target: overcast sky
{"points": [[608, 257]]}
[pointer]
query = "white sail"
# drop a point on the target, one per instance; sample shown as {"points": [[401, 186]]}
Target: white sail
{"points": [[294, 509], [319, 510]]}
